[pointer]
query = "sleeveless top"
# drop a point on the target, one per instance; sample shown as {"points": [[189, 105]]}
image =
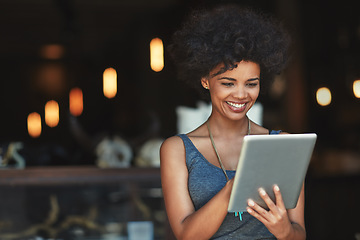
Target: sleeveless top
{"points": [[204, 182]]}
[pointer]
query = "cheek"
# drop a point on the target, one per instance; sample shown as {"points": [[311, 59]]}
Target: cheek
{"points": [[217, 92], [254, 94]]}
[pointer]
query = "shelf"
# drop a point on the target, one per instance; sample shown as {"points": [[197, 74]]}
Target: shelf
{"points": [[70, 175]]}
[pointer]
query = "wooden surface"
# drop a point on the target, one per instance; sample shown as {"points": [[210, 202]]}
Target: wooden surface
{"points": [[63, 175]]}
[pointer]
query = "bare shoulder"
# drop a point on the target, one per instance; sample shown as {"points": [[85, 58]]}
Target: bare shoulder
{"points": [[173, 162], [284, 133], [173, 143], [258, 130]]}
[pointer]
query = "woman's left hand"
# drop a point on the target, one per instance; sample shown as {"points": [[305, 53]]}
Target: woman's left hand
{"points": [[275, 219]]}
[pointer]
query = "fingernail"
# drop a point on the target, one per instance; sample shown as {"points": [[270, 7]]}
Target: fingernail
{"points": [[276, 187], [251, 203], [262, 191]]}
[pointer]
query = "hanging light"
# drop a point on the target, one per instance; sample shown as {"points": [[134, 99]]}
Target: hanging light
{"points": [[34, 124], [52, 113], [76, 104], [110, 82], [356, 88], [156, 54], [52, 51], [323, 96]]}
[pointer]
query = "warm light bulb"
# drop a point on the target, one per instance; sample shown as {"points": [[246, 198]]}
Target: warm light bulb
{"points": [[356, 88], [76, 104], [156, 54], [323, 96], [110, 82], [52, 113], [34, 124], [52, 51]]}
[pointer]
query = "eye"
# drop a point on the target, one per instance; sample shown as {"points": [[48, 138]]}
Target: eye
{"points": [[252, 84], [228, 84]]}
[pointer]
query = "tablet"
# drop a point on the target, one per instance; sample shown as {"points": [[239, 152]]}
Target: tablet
{"points": [[266, 160]]}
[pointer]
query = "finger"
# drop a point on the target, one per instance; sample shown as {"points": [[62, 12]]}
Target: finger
{"points": [[255, 214], [258, 210], [271, 205], [278, 197]]}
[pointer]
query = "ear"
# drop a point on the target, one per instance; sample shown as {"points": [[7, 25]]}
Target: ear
{"points": [[205, 83]]}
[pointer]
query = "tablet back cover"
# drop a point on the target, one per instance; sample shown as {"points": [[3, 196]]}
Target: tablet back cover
{"points": [[266, 160]]}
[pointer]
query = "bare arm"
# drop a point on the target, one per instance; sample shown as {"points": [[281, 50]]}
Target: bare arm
{"points": [[185, 222], [296, 217]]}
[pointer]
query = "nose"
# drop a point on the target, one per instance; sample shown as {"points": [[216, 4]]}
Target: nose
{"points": [[240, 92]]}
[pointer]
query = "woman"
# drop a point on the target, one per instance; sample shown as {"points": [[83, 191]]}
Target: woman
{"points": [[228, 52]]}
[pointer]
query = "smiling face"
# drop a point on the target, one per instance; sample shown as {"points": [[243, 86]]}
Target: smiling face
{"points": [[235, 91]]}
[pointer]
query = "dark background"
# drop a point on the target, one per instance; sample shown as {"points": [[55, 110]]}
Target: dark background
{"points": [[99, 34]]}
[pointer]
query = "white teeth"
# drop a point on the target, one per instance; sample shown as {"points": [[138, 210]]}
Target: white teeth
{"points": [[236, 105]]}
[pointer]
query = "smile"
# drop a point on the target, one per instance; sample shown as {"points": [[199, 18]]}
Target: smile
{"points": [[236, 105]]}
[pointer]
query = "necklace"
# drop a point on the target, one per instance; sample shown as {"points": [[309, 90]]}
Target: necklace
{"points": [[217, 154]]}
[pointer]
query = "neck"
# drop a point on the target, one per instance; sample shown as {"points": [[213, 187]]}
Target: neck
{"points": [[229, 128]]}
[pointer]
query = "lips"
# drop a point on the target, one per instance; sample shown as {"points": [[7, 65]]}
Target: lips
{"points": [[237, 107]]}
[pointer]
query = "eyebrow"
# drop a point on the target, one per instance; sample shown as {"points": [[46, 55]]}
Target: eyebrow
{"points": [[227, 78], [233, 79]]}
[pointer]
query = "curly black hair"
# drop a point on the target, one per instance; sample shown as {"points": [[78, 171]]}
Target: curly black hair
{"points": [[228, 34]]}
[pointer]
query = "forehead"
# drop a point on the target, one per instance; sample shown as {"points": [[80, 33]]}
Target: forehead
{"points": [[242, 68]]}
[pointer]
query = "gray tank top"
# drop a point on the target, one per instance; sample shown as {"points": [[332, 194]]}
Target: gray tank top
{"points": [[204, 182]]}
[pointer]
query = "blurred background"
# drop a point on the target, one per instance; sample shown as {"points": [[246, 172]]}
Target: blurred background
{"points": [[51, 50]]}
